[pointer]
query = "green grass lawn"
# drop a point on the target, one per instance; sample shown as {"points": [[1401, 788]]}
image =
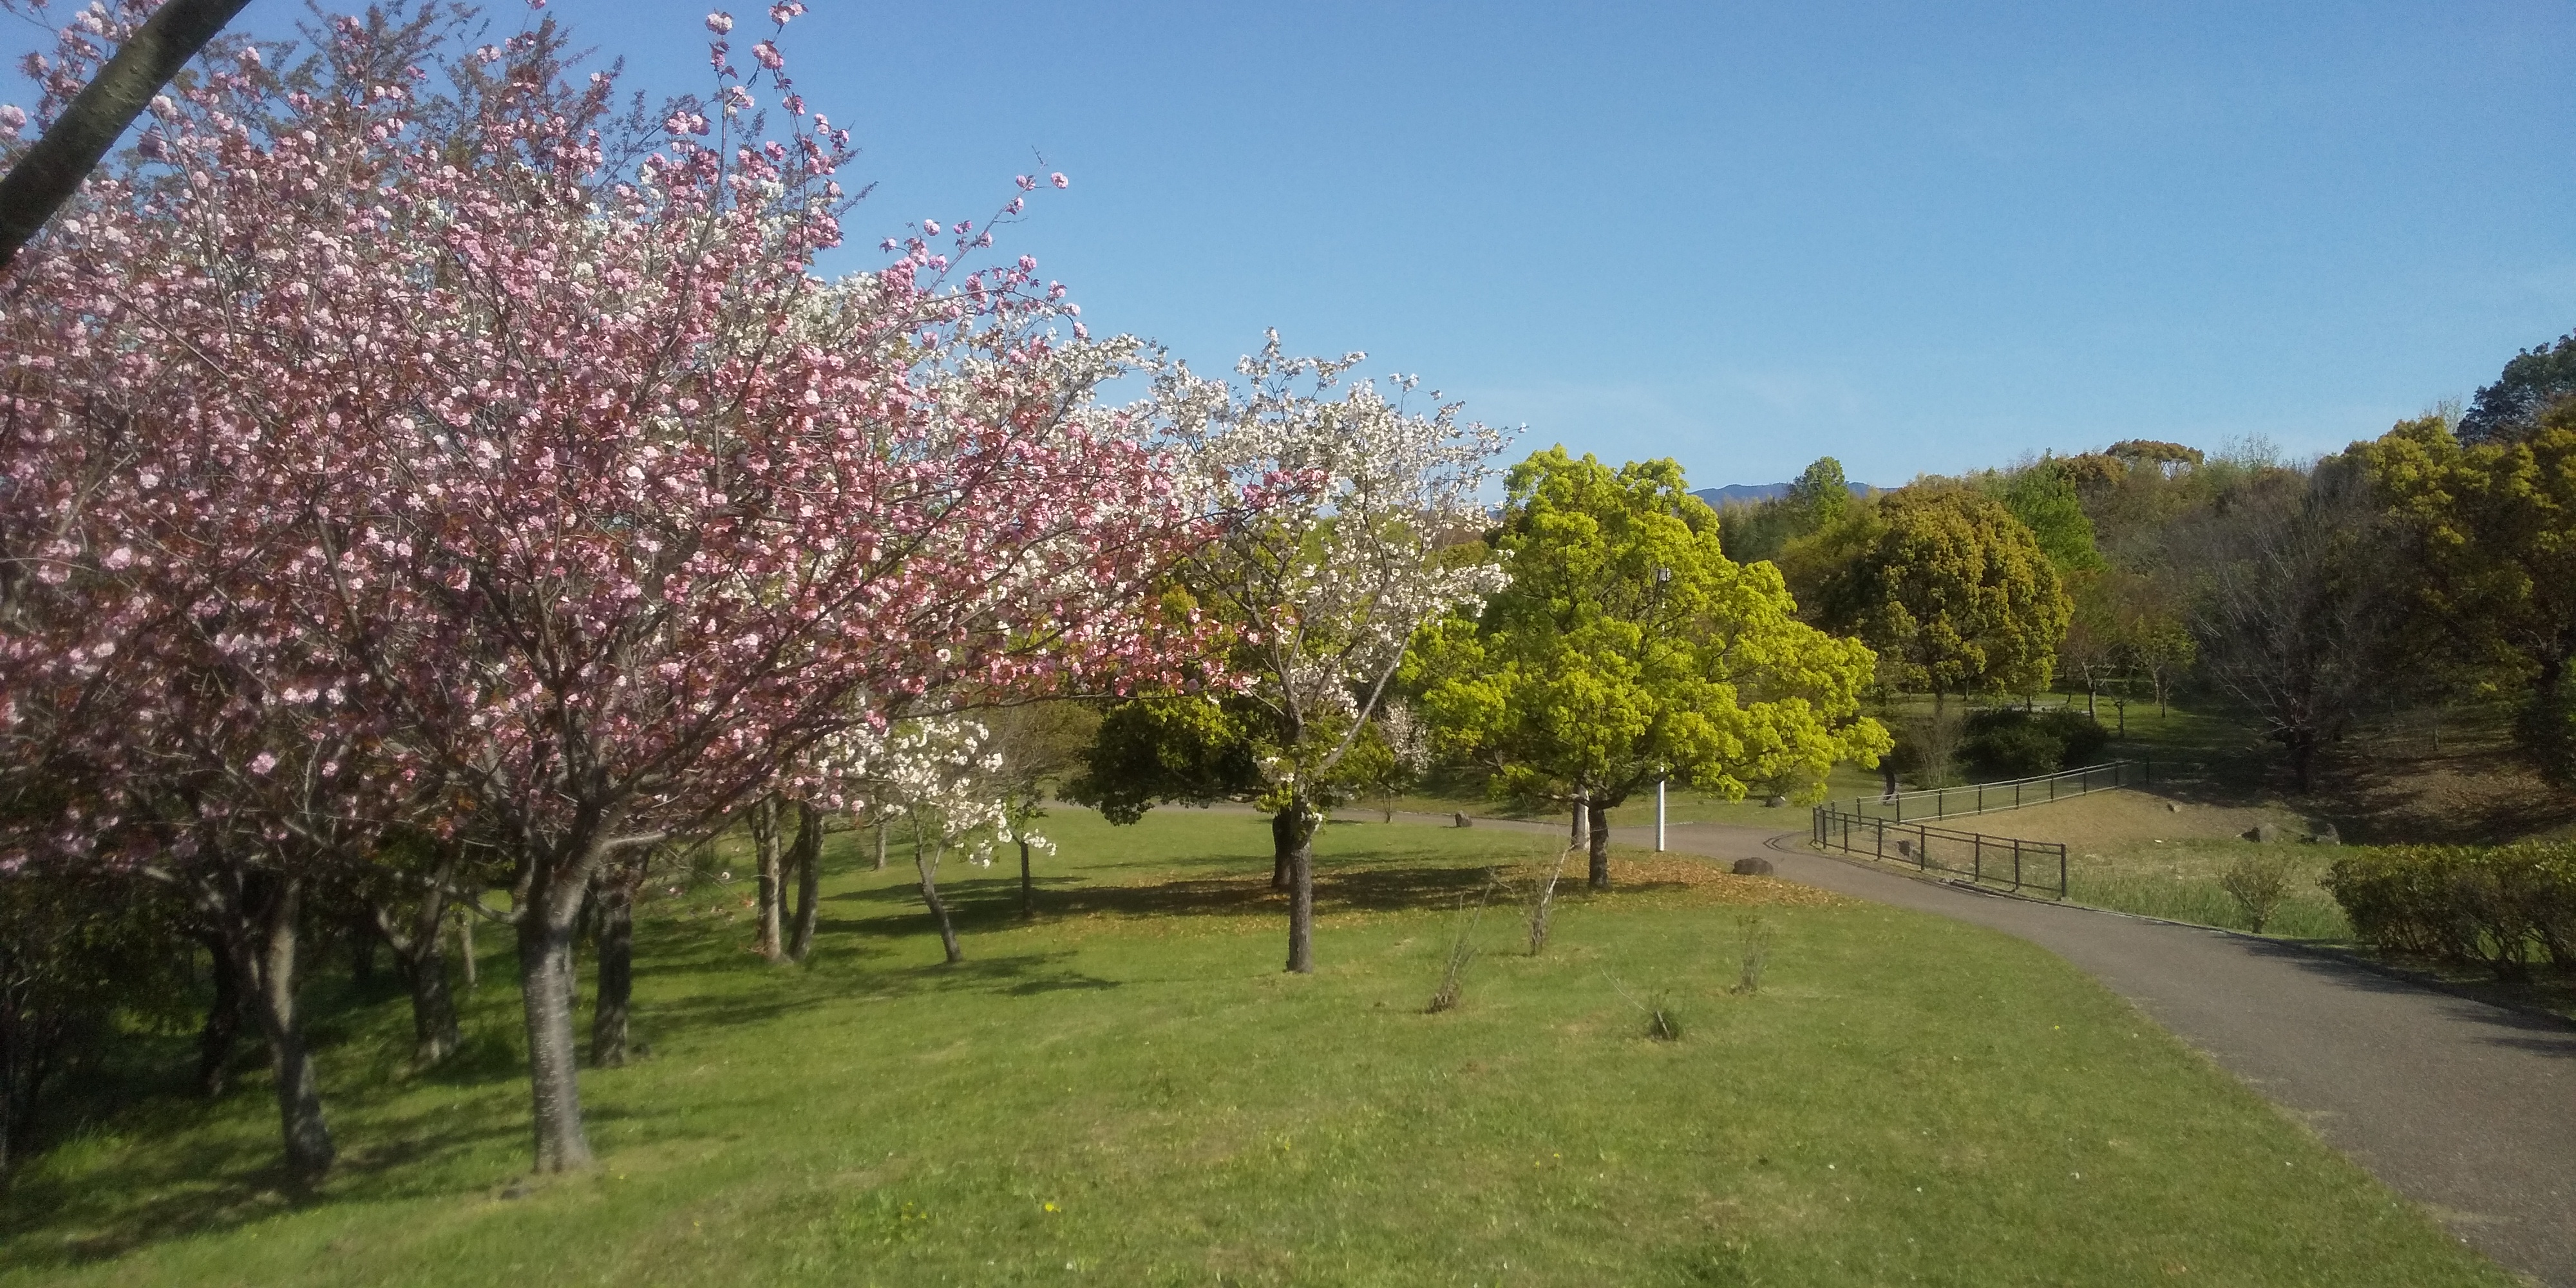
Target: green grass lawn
{"points": [[1129, 1091]]}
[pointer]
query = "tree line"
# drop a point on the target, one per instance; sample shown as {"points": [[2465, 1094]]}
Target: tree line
{"points": [[2432, 564]]}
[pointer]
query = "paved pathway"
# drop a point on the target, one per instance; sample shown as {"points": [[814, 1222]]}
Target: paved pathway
{"points": [[2468, 1109]]}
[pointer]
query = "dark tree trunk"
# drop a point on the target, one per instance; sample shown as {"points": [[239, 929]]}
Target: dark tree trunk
{"points": [[256, 915], [53, 169], [765, 835], [1283, 848], [223, 1021], [1600, 843], [362, 953], [556, 885], [608, 1011], [418, 936], [925, 860], [2303, 761], [1301, 885], [808, 859], [1028, 883], [434, 1035]]}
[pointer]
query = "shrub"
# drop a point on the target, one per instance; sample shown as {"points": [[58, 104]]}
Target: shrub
{"points": [[2008, 743], [2257, 882], [2491, 905]]}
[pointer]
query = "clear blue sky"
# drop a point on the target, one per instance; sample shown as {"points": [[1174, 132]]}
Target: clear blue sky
{"points": [[1914, 237]]}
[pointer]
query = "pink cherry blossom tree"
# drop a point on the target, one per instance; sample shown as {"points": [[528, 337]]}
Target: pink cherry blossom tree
{"points": [[515, 474]]}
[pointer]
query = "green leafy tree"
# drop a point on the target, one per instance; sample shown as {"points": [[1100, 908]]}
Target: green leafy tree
{"points": [[1629, 648], [2497, 528], [2535, 380], [2043, 498], [1954, 593], [1819, 498]]}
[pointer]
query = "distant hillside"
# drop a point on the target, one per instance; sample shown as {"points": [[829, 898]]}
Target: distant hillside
{"points": [[1719, 498]]}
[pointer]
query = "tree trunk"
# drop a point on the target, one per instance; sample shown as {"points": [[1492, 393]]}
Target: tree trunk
{"points": [[881, 845], [1301, 886], [419, 941], [223, 1021], [465, 948], [808, 859], [925, 860], [258, 912], [51, 171], [764, 835], [1600, 842], [2303, 762], [556, 883], [1283, 848], [362, 953], [608, 1010], [1028, 884]]}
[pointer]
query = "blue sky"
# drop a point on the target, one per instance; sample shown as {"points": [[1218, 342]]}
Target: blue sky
{"points": [[1919, 238]]}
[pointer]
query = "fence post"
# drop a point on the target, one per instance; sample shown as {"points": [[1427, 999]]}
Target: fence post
{"points": [[2016, 863], [1976, 856], [2061, 870]]}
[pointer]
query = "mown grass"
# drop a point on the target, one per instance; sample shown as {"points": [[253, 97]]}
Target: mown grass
{"points": [[1129, 1091]]}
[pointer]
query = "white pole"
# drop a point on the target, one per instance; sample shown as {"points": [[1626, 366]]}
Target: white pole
{"points": [[1659, 816]]}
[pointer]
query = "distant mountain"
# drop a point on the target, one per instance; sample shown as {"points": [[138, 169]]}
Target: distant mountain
{"points": [[1719, 498]]}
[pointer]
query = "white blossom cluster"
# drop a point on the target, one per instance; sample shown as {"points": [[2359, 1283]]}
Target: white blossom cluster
{"points": [[1342, 557]]}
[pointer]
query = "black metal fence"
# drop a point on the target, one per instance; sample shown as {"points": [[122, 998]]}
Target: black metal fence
{"points": [[1980, 798], [2015, 864]]}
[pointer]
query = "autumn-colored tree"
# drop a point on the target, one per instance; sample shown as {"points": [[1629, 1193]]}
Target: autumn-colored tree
{"points": [[2496, 522], [1954, 593], [1629, 648]]}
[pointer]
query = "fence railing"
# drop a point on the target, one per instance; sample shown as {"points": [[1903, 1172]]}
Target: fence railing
{"points": [[2012, 793], [1993, 860]]}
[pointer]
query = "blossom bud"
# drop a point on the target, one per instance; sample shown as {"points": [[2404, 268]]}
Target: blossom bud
{"points": [[720, 22]]}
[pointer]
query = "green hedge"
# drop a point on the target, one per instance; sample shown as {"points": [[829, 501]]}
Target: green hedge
{"points": [[2493, 905]]}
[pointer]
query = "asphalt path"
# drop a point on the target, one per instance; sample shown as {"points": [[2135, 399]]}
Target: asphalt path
{"points": [[2466, 1108]]}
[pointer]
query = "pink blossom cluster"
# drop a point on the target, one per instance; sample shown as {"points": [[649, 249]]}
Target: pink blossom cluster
{"points": [[364, 462]]}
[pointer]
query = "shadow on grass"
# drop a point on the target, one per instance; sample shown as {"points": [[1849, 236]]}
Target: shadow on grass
{"points": [[187, 1182]]}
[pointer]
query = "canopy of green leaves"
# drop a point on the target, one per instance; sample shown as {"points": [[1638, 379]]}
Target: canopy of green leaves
{"points": [[1629, 647], [1955, 594]]}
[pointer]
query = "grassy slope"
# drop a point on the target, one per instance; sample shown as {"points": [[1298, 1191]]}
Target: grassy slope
{"points": [[1139, 1097]]}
